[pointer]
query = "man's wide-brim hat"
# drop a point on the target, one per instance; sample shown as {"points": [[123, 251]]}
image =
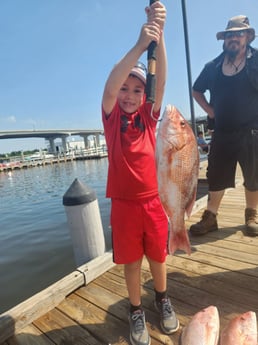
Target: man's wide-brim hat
{"points": [[237, 23]]}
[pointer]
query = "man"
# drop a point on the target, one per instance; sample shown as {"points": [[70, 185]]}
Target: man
{"points": [[232, 80]]}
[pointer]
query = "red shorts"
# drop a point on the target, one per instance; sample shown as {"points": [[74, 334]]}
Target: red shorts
{"points": [[138, 228]]}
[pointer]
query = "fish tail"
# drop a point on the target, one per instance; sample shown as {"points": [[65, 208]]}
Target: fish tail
{"points": [[179, 240]]}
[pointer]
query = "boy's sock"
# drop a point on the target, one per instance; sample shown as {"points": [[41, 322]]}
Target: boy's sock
{"points": [[160, 295], [133, 308]]}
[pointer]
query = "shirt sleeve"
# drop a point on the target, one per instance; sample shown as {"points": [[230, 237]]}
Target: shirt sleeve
{"points": [[202, 82]]}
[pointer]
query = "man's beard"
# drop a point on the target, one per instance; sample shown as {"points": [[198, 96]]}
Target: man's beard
{"points": [[231, 53]]}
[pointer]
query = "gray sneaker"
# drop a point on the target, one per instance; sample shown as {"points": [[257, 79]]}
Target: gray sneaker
{"points": [[168, 320], [138, 332]]}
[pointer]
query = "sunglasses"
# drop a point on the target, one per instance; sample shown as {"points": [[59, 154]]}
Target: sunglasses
{"points": [[231, 34]]}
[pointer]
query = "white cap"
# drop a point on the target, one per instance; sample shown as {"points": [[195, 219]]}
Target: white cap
{"points": [[139, 71]]}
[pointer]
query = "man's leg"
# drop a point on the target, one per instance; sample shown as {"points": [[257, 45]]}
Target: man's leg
{"points": [[251, 199], [208, 221], [251, 214]]}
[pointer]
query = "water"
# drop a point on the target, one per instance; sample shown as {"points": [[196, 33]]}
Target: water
{"points": [[36, 246]]}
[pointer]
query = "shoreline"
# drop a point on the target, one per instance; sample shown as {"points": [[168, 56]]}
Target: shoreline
{"points": [[25, 164]]}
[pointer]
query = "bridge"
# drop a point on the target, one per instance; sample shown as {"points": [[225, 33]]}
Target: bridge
{"points": [[52, 134]]}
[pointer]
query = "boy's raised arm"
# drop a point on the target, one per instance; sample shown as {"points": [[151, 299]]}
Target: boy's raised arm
{"points": [[150, 31]]}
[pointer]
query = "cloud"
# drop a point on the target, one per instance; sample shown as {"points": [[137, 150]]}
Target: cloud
{"points": [[11, 119], [8, 119]]}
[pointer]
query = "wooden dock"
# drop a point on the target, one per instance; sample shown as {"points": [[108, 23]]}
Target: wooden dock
{"points": [[90, 306]]}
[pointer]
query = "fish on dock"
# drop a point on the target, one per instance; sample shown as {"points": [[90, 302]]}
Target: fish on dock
{"points": [[242, 330], [203, 328], [177, 159]]}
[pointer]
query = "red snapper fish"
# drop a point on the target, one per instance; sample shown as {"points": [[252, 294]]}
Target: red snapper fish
{"points": [[177, 159], [203, 329], [242, 330]]}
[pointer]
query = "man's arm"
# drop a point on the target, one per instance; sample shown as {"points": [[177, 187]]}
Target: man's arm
{"points": [[203, 103]]}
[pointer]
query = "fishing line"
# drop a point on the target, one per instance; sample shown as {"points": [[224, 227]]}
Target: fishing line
{"points": [[151, 114]]}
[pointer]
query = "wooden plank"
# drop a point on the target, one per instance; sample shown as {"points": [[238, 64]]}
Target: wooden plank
{"points": [[117, 285], [15, 319], [228, 289], [233, 291], [30, 335], [239, 282], [229, 253], [231, 234], [226, 243], [101, 323], [201, 298], [63, 330], [185, 266], [186, 299], [199, 204], [197, 293], [116, 303], [223, 262], [97, 266]]}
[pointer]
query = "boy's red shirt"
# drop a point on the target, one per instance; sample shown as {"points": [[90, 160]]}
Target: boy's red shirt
{"points": [[131, 144]]}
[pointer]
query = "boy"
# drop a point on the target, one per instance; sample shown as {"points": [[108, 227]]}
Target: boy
{"points": [[139, 224]]}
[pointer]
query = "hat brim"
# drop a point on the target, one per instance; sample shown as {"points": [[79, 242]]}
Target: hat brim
{"points": [[139, 74], [221, 35]]}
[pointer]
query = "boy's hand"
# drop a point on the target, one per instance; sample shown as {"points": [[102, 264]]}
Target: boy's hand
{"points": [[152, 30], [149, 32], [156, 13]]}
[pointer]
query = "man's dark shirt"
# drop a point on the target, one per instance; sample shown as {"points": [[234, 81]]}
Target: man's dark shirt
{"points": [[234, 98]]}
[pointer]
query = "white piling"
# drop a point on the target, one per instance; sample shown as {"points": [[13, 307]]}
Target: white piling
{"points": [[83, 216]]}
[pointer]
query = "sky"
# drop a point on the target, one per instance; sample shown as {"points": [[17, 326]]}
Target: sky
{"points": [[55, 56]]}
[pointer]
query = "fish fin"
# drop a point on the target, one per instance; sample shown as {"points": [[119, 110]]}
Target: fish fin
{"points": [[179, 240], [190, 206]]}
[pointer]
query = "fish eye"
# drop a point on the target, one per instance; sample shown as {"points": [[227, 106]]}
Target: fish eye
{"points": [[182, 123]]}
